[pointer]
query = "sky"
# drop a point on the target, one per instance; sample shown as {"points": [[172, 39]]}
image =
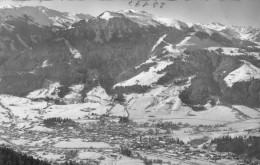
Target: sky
{"points": [[228, 12]]}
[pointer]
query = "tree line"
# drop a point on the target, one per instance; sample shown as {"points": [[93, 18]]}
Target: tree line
{"points": [[10, 157], [57, 121], [249, 146]]}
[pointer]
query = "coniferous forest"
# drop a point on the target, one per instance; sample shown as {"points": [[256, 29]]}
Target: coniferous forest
{"points": [[11, 157], [249, 146], [57, 121]]}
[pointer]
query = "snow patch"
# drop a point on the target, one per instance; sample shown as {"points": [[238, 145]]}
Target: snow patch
{"points": [[98, 93], [193, 42], [118, 110], [4, 116], [45, 64], [73, 51], [150, 60], [147, 78], [215, 26], [75, 91], [78, 143], [171, 22], [245, 73], [51, 91], [228, 50], [184, 41], [171, 51], [129, 10], [49, 156], [87, 155], [106, 15], [247, 111], [141, 18], [7, 6], [159, 41]]}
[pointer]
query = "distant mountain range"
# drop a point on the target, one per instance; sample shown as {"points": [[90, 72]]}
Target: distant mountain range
{"points": [[52, 55], [40, 16]]}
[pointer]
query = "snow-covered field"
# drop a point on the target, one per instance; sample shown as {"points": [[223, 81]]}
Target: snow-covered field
{"points": [[118, 110], [122, 160], [73, 111], [97, 101], [193, 42], [22, 108], [246, 124], [41, 129], [89, 155], [79, 143], [163, 103], [149, 77], [48, 156], [244, 73], [20, 141], [159, 103], [125, 161], [4, 115], [75, 92], [232, 51], [42, 141], [250, 112], [3, 142], [50, 91], [212, 116]]}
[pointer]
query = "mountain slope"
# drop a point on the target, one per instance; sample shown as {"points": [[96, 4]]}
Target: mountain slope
{"points": [[41, 16], [124, 52]]}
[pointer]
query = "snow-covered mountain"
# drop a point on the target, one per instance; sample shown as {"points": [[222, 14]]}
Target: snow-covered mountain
{"points": [[244, 33], [143, 18], [139, 64], [203, 78], [40, 15]]}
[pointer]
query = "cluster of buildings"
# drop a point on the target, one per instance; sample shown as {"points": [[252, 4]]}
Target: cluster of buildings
{"points": [[136, 137]]}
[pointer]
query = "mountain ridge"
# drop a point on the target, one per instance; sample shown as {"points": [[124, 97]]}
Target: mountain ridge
{"points": [[108, 49]]}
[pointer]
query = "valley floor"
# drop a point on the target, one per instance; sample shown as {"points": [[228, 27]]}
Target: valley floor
{"points": [[99, 137]]}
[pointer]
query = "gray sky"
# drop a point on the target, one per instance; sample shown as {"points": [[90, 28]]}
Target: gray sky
{"points": [[229, 12]]}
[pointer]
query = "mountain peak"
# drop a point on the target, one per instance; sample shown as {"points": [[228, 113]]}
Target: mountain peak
{"points": [[8, 6], [215, 26], [41, 15], [129, 11], [106, 15], [218, 24]]}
